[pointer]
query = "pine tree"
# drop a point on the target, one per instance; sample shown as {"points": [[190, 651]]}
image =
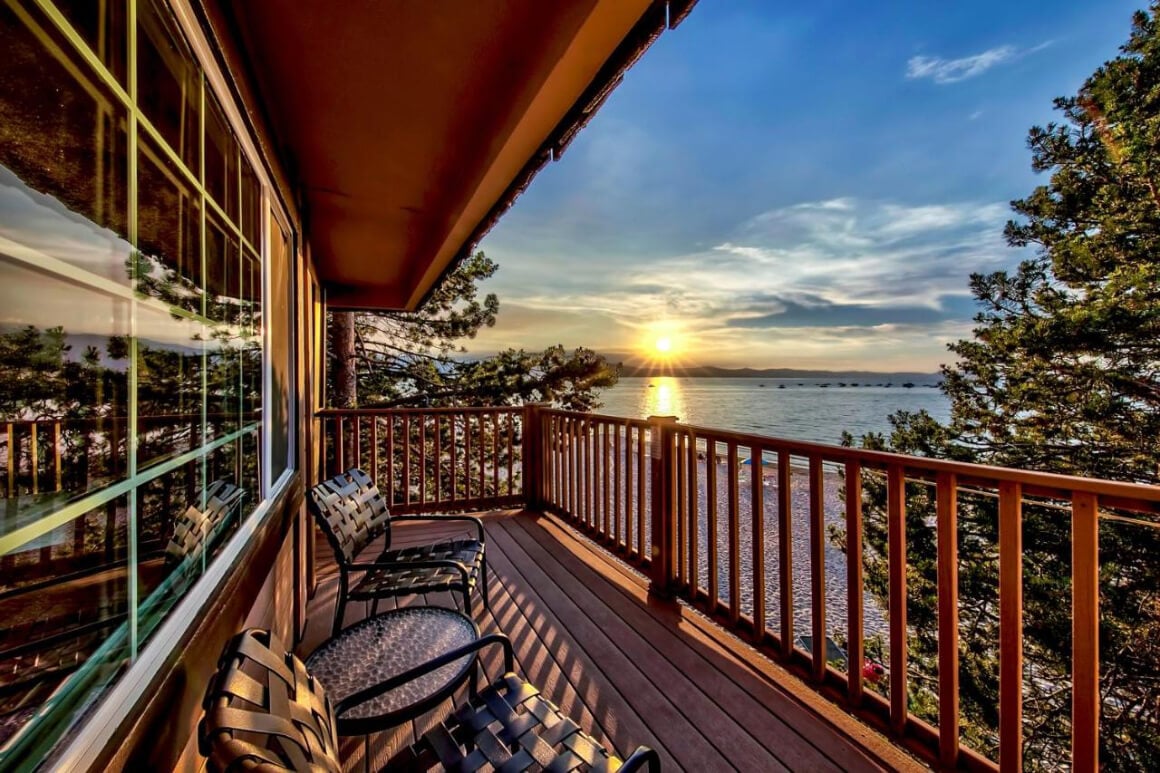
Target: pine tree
{"points": [[1062, 374]]}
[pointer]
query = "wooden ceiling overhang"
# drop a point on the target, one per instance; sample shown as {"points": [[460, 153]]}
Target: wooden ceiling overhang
{"points": [[408, 127]]}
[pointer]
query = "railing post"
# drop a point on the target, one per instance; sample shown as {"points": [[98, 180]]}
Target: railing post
{"points": [[662, 565], [532, 456]]}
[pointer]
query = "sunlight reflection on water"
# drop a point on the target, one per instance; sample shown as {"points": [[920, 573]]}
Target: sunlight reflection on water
{"points": [[664, 398]]}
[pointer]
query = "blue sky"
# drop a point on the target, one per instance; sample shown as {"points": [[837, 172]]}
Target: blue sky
{"points": [[804, 186]]}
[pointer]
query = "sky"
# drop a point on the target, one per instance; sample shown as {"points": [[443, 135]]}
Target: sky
{"points": [[795, 184]]}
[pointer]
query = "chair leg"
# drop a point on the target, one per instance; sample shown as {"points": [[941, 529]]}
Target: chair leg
{"points": [[467, 600], [483, 584], [339, 608]]}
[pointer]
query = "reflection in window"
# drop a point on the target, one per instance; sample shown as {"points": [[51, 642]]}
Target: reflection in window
{"points": [[169, 231], [62, 152], [53, 635], [251, 218], [223, 271], [221, 159], [168, 81], [102, 24], [184, 518], [64, 366], [169, 393]]}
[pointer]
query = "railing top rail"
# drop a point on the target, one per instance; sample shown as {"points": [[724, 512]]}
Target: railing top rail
{"points": [[331, 412], [599, 417], [1139, 497]]}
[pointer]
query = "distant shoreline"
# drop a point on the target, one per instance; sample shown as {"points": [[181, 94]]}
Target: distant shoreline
{"points": [[710, 371]]}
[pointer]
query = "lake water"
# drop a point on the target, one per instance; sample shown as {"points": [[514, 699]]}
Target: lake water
{"points": [[795, 408]]}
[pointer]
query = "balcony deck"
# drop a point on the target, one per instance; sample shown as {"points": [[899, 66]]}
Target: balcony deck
{"points": [[630, 669]]}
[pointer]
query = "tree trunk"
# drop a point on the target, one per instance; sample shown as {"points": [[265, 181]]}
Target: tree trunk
{"points": [[345, 382], [345, 394]]}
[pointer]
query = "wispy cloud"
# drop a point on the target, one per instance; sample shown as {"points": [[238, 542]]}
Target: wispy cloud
{"points": [[944, 71]]}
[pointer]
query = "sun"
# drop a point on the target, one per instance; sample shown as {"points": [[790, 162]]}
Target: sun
{"points": [[664, 345]]}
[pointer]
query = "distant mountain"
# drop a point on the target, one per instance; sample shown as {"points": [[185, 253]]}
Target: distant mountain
{"points": [[711, 371]]}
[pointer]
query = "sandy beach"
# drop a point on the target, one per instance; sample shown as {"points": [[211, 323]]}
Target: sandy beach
{"points": [[874, 617]]}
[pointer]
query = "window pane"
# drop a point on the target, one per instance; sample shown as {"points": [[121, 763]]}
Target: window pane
{"points": [[221, 158], [168, 81], [169, 231], [223, 271], [184, 518], [281, 358], [252, 340], [251, 218], [63, 163], [63, 408], [63, 622], [102, 24]]}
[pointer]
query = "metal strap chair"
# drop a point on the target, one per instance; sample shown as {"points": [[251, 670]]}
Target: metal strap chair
{"points": [[352, 514], [264, 711]]}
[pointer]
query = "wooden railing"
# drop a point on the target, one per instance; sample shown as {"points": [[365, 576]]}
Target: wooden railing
{"points": [[431, 459], [745, 527]]}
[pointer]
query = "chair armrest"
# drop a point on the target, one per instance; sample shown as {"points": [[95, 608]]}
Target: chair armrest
{"points": [[639, 759], [398, 680], [478, 523], [441, 563]]}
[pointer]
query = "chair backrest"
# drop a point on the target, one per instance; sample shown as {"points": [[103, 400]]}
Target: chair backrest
{"points": [[196, 526], [262, 708], [351, 512]]}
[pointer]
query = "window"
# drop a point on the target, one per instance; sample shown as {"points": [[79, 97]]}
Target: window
{"points": [[132, 321]]}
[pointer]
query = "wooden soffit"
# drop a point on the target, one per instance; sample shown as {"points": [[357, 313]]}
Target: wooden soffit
{"points": [[409, 126]]}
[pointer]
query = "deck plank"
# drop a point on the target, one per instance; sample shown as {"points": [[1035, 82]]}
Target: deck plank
{"points": [[627, 668]]}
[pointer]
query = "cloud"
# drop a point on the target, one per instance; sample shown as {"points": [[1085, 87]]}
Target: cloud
{"points": [[945, 71], [813, 311], [840, 280]]}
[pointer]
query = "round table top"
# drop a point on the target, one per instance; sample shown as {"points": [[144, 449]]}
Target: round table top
{"points": [[373, 650]]}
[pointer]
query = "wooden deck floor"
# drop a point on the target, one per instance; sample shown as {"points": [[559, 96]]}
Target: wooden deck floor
{"points": [[631, 670]]}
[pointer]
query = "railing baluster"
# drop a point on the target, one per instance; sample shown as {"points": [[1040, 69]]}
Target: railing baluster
{"points": [[56, 454], [438, 459], [422, 460], [34, 455], [11, 461], [711, 518], [391, 460], [640, 502], [855, 655], [374, 448], [339, 445], [785, 550], [407, 458], [1085, 631], [818, 567], [694, 508], [896, 605], [946, 497], [495, 454], [734, 538], [681, 508], [589, 472], [453, 467], [606, 482], [511, 454], [627, 461], [757, 494], [480, 451], [1010, 626], [617, 478]]}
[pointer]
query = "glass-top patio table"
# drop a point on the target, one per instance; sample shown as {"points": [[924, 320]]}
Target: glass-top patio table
{"points": [[368, 655]]}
